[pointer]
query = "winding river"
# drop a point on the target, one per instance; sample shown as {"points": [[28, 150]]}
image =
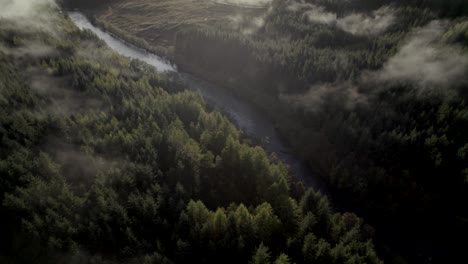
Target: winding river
{"points": [[251, 121]]}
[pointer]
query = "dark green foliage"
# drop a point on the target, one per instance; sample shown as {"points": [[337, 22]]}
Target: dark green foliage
{"points": [[102, 162], [399, 156]]}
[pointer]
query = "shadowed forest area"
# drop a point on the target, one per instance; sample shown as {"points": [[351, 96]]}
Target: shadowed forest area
{"points": [[371, 93]]}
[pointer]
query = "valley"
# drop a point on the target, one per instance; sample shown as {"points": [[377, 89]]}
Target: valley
{"points": [[233, 131], [311, 67]]}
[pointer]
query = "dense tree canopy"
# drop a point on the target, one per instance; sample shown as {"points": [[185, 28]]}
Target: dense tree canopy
{"points": [[390, 143], [102, 160]]}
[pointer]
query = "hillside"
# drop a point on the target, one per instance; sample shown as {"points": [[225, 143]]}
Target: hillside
{"points": [[372, 94], [102, 160], [154, 24]]}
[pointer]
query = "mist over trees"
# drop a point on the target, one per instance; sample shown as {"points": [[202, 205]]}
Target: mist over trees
{"points": [[371, 93], [102, 160]]}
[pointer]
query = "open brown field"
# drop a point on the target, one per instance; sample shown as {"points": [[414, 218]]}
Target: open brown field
{"points": [[158, 21]]}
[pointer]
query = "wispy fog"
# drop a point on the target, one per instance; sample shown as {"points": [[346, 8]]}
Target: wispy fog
{"points": [[356, 23], [15, 9], [30, 14], [36, 22], [361, 24], [314, 13], [249, 25], [424, 60]]}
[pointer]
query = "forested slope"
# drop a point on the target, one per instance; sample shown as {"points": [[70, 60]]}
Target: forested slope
{"points": [[102, 160], [373, 94]]}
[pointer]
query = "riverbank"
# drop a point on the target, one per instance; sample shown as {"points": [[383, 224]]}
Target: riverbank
{"points": [[270, 106], [254, 122]]}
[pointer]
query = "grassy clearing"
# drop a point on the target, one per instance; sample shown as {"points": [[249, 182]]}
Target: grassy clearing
{"points": [[158, 21]]}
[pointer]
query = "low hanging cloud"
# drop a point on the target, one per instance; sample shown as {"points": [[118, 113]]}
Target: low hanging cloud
{"points": [[33, 17], [249, 25], [314, 13], [357, 23], [319, 15], [35, 24], [30, 15], [424, 60], [21, 9], [373, 24]]}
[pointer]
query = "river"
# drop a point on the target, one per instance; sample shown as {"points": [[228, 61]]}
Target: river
{"points": [[252, 122]]}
